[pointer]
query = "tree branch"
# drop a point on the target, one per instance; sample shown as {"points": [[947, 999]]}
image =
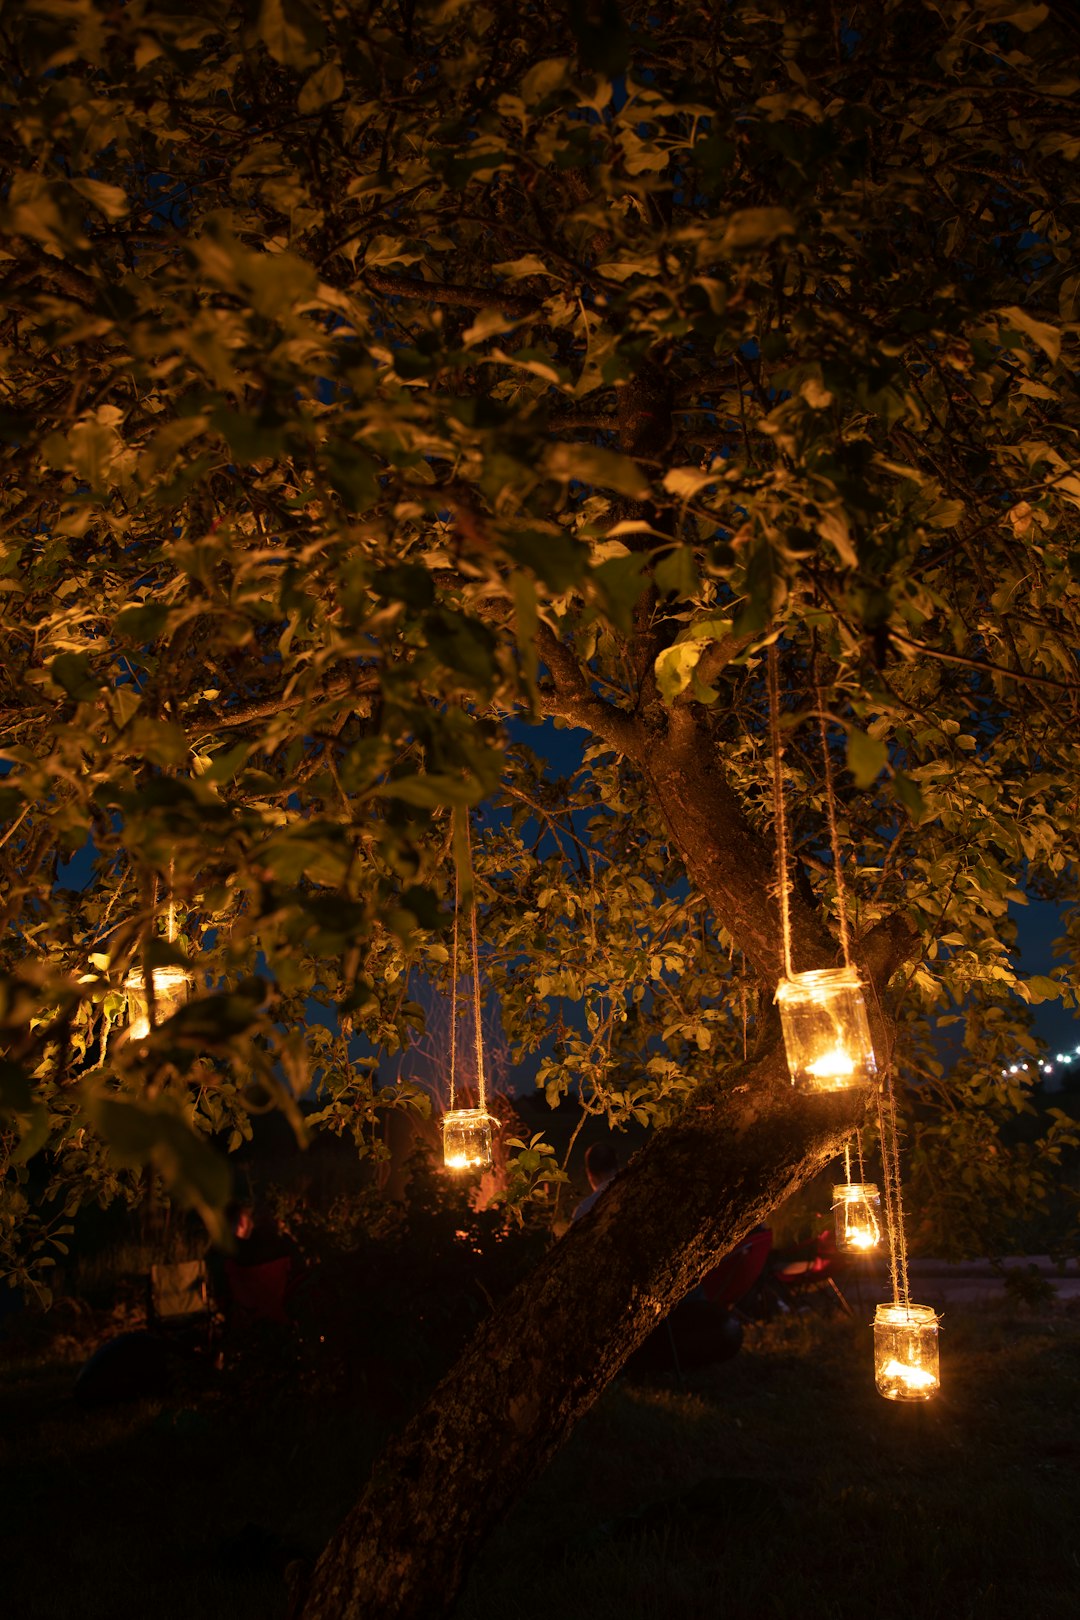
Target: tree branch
{"points": [[572, 698], [449, 292]]}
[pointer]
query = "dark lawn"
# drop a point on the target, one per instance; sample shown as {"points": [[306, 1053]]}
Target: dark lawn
{"points": [[778, 1484]]}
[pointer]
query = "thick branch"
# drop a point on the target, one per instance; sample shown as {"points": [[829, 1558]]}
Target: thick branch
{"points": [[572, 698], [449, 292]]}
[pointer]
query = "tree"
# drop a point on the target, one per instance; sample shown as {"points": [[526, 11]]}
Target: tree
{"points": [[379, 381]]}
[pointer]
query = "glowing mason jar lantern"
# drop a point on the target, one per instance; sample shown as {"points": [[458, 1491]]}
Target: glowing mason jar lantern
{"points": [[857, 1213], [467, 1139], [826, 1031], [171, 986], [906, 1352]]}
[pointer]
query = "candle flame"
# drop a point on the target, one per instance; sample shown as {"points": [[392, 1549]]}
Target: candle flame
{"points": [[832, 1065], [913, 1377], [862, 1237]]}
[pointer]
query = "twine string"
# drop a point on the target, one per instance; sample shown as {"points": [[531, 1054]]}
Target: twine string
{"points": [[847, 1162], [453, 987], [834, 835], [170, 915], [858, 1144], [783, 873], [481, 1084], [894, 1203]]}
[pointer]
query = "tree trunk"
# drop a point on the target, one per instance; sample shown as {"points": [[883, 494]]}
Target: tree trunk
{"points": [[693, 1192], [536, 1366]]}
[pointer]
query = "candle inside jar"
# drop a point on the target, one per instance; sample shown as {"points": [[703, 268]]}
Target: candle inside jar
{"points": [[834, 1065], [914, 1377]]}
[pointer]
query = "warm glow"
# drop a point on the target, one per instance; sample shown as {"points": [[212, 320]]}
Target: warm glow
{"points": [[906, 1352], [857, 1207], [914, 1377], [171, 987], [467, 1139], [826, 1030], [833, 1065]]}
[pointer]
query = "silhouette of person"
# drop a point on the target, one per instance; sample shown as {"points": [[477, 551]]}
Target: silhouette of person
{"points": [[601, 1167]]}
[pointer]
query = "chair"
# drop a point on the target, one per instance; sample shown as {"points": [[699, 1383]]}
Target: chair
{"points": [[737, 1273], [178, 1296], [257, 1293], [809, 1272]]}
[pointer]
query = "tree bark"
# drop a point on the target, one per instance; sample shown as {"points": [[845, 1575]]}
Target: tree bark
{"points": [[694, 1191]]}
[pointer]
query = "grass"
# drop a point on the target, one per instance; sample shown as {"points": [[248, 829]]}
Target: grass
{"points": [[775, 1485]]}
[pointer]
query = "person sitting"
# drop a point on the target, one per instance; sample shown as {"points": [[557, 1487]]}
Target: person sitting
{"points": [[601, 1167]]}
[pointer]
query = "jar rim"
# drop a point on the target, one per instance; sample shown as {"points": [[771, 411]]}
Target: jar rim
{"points": [[467, 1116], [905, 1316], [806, 984], [857, 1192]]}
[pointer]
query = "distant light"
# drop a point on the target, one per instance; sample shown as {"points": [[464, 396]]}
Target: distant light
{"points": [[1012, 1068]]}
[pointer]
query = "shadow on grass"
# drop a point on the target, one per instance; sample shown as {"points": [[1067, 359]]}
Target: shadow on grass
{"points": [[775, 1485]]}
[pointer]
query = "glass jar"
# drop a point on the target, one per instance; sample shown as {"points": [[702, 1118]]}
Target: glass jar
{"points": [[826, 1030], [906, 1352], [857, 1214], [467, 1139], [171, 989]]}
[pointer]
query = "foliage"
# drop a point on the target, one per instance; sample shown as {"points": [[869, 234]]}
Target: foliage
{"points": [[380, 380]]}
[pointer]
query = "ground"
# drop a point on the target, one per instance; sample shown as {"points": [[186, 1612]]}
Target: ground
{"points": [[776, 1484]]}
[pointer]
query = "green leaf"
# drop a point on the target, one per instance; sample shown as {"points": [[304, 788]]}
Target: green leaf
{"points": [[107, 199], [289, 32], [142, 1132], [590, 464], [553, 556], [867, 756], [751, 228], [1045, 337], [675, 666], [909, 795], [676, 573], [426, 792], [209, 1020], [140, 625], [463, 644], [73, 672], [1042, 988], [621, 581], [325, 85]]}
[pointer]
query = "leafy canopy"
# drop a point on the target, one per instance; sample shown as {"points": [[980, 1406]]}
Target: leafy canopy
{"points": [[381, 380]]}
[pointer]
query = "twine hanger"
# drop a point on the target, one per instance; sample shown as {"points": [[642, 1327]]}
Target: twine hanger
{"points": [[481, 1080], [783, 874], [888, 1123]]}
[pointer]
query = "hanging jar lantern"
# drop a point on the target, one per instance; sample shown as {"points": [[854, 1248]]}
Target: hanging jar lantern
{"points": [[857, 1214], [906, 1352], [467, 1132], [826, 1030], [171, 987], [467, 1139], [822, 1012]]}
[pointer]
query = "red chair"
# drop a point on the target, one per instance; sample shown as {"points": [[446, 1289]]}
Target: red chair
{"points": [[737, 1273], [809, 1272], [257, 1293]]}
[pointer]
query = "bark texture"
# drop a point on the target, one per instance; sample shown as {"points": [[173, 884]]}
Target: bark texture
{"points": [[696, 1189]]}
